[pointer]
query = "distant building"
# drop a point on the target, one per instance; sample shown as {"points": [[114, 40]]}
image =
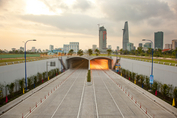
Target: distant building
{"points": [[125, 36], [140, 45], [117, 48], [52, 52], [109, 47], [174, 44], [102, 39], [66, 48], [21, 48], [94, 47], [147, 45], [74, 46], [33, 49], [51, 47], [158, 40], [168, 46], [130, 46], [13, 49], [134, 48]]}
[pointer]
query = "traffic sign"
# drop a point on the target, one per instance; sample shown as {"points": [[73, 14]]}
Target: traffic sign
{"points": [[151, 79]]}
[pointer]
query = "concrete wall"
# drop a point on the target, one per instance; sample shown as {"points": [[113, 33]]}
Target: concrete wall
{"points": [[162, 73], [10, 73]]}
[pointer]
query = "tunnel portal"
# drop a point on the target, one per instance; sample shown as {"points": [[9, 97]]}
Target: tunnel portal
{"points": [[89, 62]]}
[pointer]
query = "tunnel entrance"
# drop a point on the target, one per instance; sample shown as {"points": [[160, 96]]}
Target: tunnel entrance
{"points": [[75, 62], [98, 64]]}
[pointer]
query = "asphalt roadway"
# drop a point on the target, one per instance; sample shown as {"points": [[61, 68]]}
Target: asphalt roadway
{"points": [[69, 96]]}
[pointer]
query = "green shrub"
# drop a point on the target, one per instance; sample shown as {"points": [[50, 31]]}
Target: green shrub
{"points": [[147, 81], [88, 76], [165, 90], [155, 86]]}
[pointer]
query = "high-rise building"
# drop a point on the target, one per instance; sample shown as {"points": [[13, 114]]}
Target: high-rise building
{"points": [[168, 46], [102, 39], [174, 44], [125, 36], [109, 47], [158, 40], [140, 45], [51, 47], [94, 47], [74, 46], [130, 46]]}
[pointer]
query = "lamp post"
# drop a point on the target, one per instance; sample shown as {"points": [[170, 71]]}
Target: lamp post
{"points": [[151, 76], [25, 62]]}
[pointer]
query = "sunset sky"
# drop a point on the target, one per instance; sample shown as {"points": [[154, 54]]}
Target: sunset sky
{"points": [[58, 22]]}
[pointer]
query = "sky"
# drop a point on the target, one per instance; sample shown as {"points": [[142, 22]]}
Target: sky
{"points": [[58, 22]]}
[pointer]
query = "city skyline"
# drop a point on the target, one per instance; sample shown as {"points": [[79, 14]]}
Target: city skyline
{"points": [[65, 21]]}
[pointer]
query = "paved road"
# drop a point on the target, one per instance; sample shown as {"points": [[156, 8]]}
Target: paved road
{"points": [[109, 96]]}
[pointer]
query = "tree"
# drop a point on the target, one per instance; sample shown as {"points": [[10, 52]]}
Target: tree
{"points": [[121, 51], [39, 75], [97, 52], [109, 51], [140, 50], [80, 52], [21, 83], [11, 88], [29, 83], [71, 52], [90, 52]]}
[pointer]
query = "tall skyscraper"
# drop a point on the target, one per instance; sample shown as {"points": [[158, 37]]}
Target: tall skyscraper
{"points": [[102, 39], [125, 36], [158, 40], [174, 44]]}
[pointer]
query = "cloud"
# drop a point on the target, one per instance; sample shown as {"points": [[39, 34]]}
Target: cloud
{"points": [[82, 4], [67, 22], [136, 10]]}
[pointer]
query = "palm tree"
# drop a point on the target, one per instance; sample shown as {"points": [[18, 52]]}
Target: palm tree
{"points": [[109, 51], [71, 52], [80, 52], [90, 52], [97, 52]]}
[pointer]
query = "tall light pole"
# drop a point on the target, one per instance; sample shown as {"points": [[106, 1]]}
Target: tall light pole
{"points": [[151, 76], [25, 62]]}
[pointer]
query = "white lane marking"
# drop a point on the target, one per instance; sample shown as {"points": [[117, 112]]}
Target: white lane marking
{"points": [[39, 103], [113, 99], [142, 109], [64, 96], [81, 98], [95, 99], [141, 91]]}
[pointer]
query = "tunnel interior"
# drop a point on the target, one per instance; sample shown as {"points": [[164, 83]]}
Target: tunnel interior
{"points": [[100, 63], [75, 62]]}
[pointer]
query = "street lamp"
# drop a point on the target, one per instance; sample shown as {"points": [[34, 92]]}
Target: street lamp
{"points": [[151, 76], [25, 63]]}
